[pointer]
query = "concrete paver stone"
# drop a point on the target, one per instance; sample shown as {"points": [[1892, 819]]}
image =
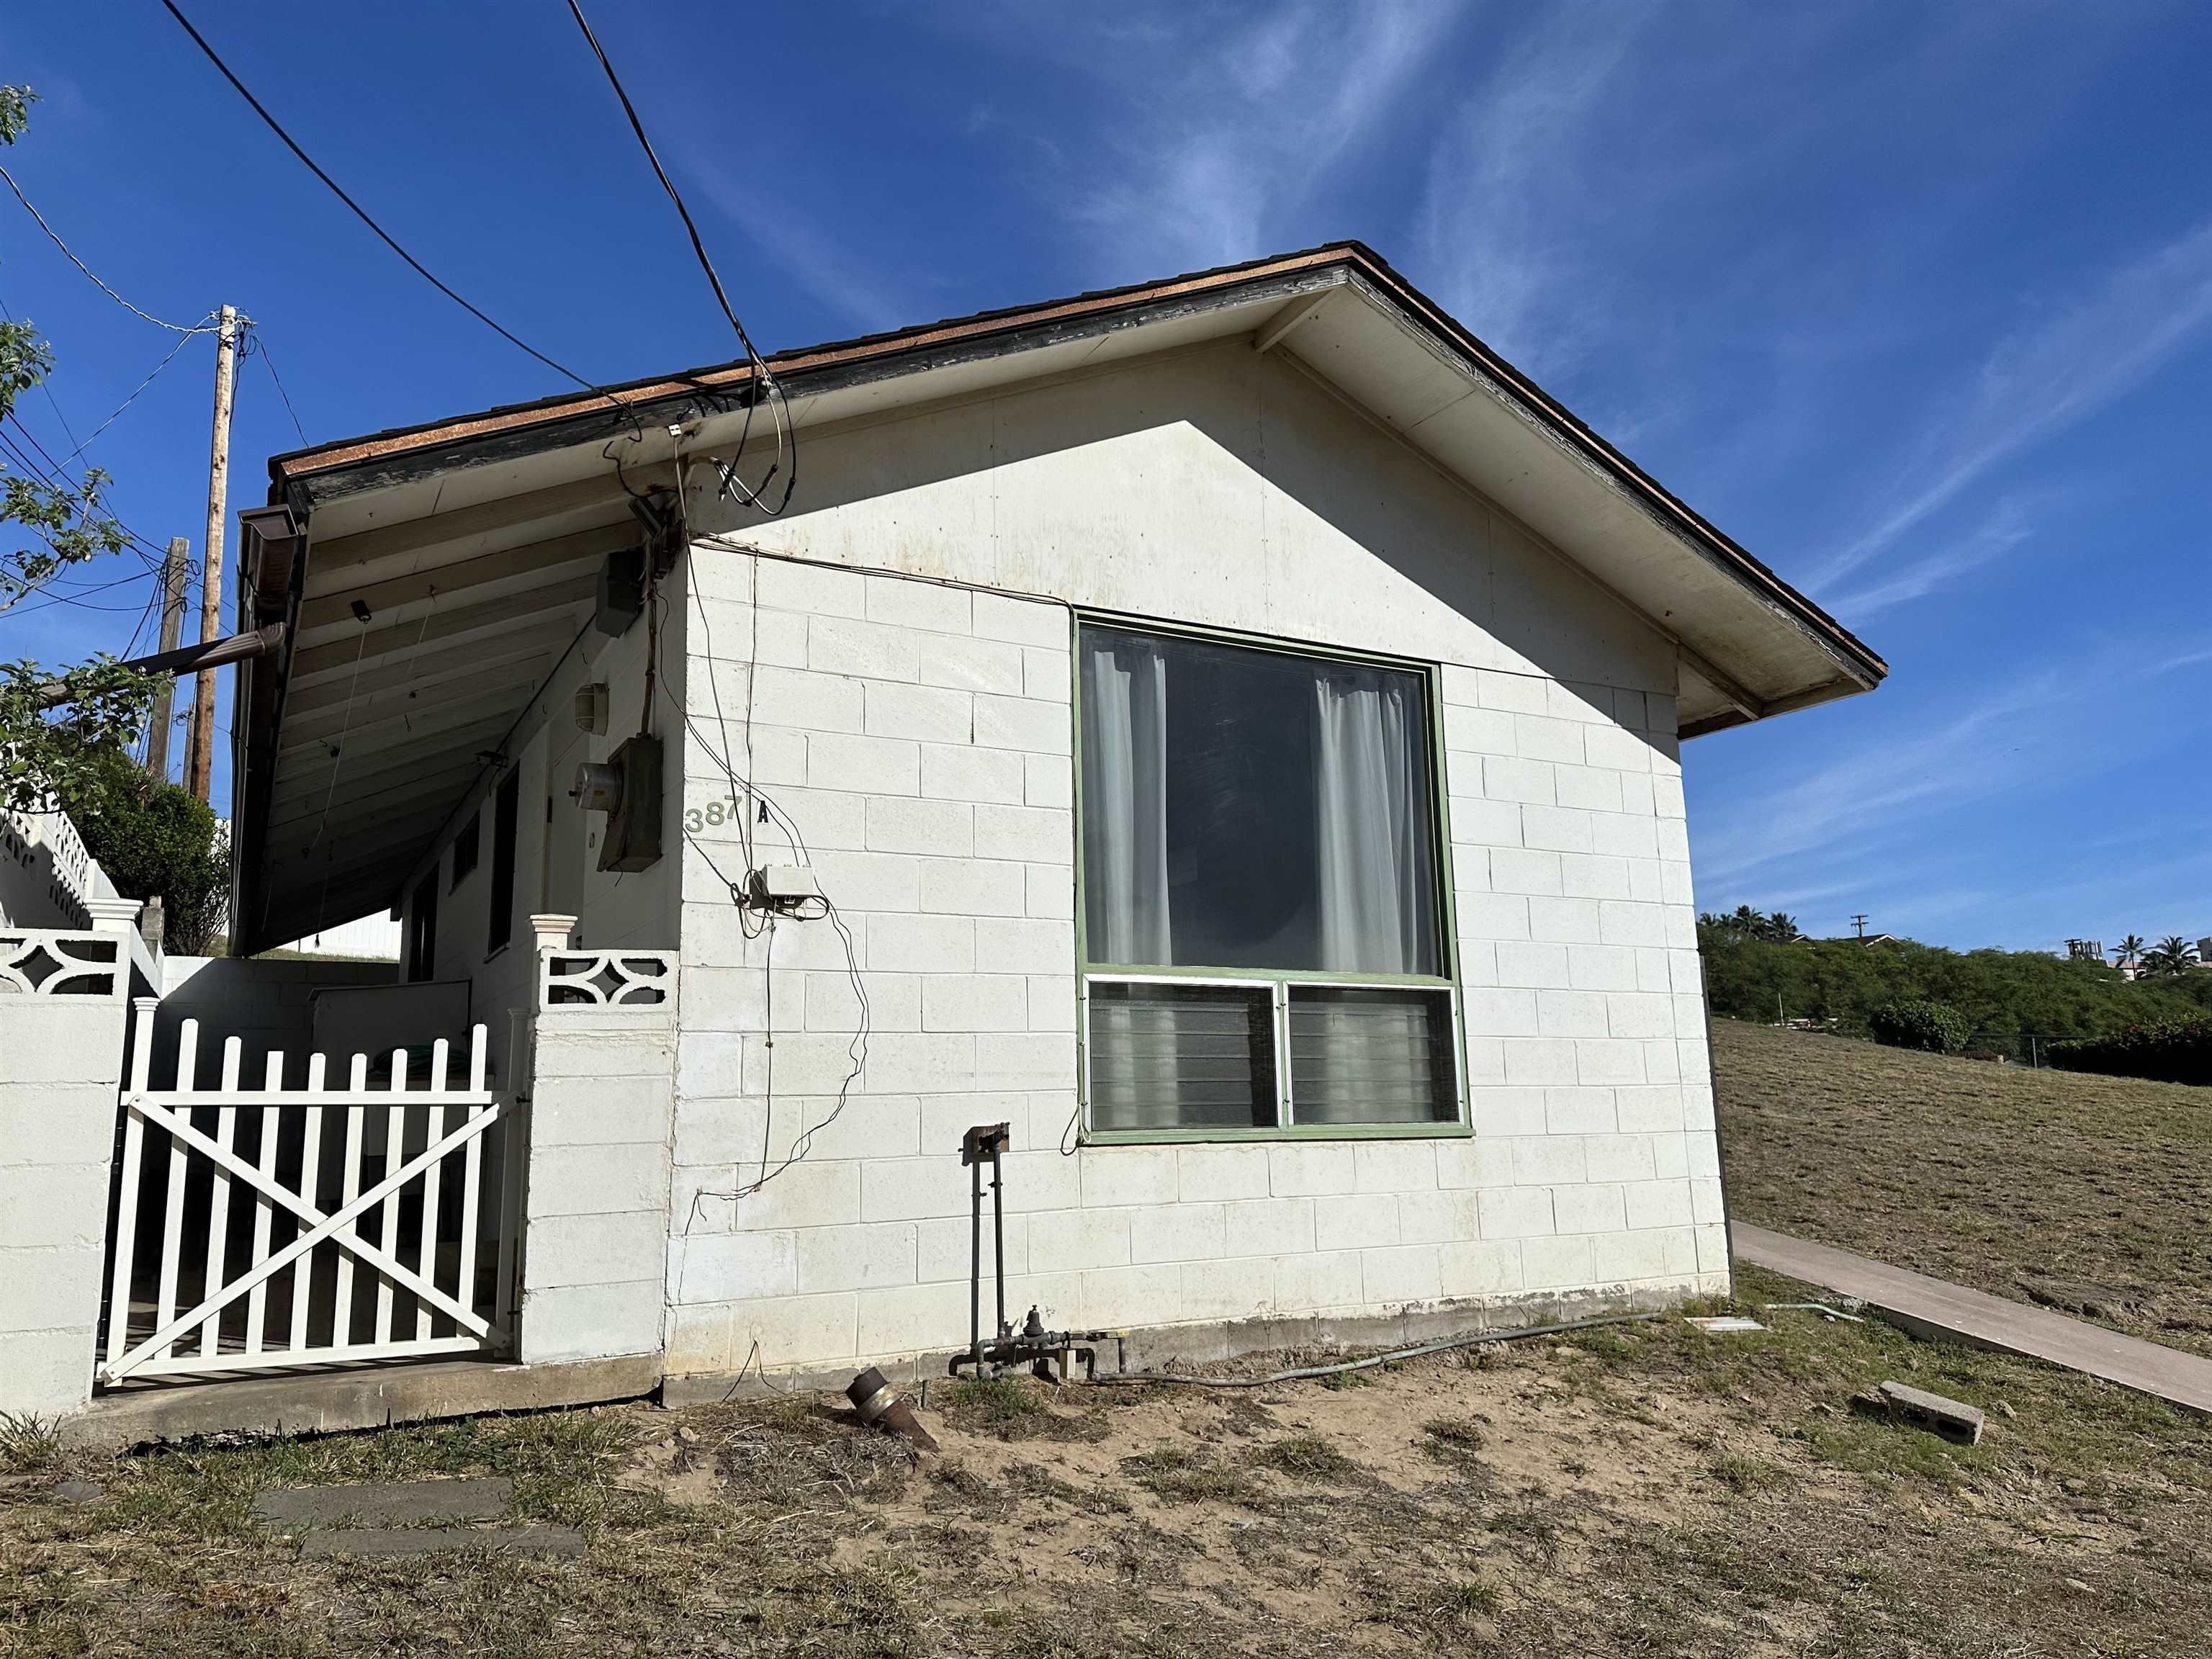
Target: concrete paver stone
{"points": [[306, 1509]]}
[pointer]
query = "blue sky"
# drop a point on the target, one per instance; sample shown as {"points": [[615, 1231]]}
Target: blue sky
{"points": [[1915, 301]]}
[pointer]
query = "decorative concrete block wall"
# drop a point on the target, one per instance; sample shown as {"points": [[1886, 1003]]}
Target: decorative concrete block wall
{"points": [[61, 1070], [596, 1183], [917, 738]]}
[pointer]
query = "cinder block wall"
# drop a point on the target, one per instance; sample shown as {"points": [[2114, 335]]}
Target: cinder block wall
{"points": [[1595, 1154], [596, 1183], [61, 1066], [917, 735]]}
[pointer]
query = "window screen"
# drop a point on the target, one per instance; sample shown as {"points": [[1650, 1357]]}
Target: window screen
{"points": [[1372, 1054], [1181, 1055]]}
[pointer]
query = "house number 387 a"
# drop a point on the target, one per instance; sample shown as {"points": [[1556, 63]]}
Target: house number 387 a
{"points": [[724, 810]]}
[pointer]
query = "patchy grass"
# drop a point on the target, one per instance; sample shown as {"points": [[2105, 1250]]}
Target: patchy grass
{"points": [[993, 1402], [1176, 1475], [1453, 1439], [28, 1445], [2084, 1194], [1641, 1490], [1309, 1457]]}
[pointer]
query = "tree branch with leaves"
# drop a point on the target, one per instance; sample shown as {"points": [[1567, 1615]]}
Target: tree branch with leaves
{"points": [[53, 721]]}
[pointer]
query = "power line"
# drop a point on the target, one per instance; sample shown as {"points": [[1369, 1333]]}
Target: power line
{"points": [[698, 248], [257, 345], [54, 237], [55, 478], [127, 401], [362, 213], [69, 431], [761, 379]]}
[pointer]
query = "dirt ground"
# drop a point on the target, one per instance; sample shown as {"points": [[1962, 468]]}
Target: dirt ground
{"points": [[1637, 1490], [2089, 1194]]}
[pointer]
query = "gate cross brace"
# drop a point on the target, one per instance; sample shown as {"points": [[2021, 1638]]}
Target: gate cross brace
{"points": [[323, 1227]]}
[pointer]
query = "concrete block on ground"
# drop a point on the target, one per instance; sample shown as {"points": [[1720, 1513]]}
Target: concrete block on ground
{"points": [[1953, 1420], [384, 1504]]}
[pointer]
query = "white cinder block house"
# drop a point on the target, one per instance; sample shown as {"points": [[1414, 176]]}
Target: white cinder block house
{"points": [[1232, 724]]}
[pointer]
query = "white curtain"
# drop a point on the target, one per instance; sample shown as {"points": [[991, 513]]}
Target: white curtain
{"points": [[1375, 902], [1125, 802]]}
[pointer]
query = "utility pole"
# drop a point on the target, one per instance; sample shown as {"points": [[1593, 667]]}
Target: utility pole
{"points": [[172, 626], [200, 761], [1859, 922]]}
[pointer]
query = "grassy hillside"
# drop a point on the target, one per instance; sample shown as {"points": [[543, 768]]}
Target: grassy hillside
{"points": [[2089, 1194]]}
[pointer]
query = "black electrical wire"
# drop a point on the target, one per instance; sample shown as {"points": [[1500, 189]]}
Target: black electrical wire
{"points": [[53, 476], [154, 375], [68, 431], [53, 235], [362, 213], [761, 379], [257, 345], [698, 248]]}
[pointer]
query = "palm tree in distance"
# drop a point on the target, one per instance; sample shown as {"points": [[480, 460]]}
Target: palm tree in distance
{"points": [[1782, 927], [2171, 955], [2128, 951]]}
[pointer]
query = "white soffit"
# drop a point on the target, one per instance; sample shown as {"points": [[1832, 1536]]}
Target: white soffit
{"points": [[1477, 431]]}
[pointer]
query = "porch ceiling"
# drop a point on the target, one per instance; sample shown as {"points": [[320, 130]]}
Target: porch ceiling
{"points": [[391, 711]]}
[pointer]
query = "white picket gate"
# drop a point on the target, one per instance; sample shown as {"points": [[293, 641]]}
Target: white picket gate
{"points": [[268, 1229]]}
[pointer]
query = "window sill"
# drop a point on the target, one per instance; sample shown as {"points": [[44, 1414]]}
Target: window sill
{"points": [[496, 952], [1304, 1132]]}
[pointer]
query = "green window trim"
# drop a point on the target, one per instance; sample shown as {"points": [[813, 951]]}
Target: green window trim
{"points": [[1283, 1129]]}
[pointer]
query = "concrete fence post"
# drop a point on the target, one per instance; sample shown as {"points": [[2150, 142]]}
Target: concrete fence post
{"points": [[602, 1049], [64, 1009]]}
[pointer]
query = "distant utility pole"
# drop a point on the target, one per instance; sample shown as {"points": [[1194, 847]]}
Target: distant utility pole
{"points": [[1859, 922], [200, 760], [172, 626]]}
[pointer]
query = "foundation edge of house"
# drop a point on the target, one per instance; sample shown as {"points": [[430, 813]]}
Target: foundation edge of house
{"points": [[340, 1401], [1208, 1342], [347, 1401]]}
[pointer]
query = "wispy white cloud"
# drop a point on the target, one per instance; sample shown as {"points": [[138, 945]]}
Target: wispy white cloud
{"points": [[1888, 782], [859, 287], [1504, 227], [1878, 823], [2037, 382], [2012, 522], [1224, 133]]}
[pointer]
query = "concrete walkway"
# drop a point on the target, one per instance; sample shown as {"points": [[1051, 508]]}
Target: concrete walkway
{"points": [[1932, 1307]]}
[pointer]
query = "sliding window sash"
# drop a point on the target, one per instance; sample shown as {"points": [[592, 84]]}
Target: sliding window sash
{"points": [[1278, 986]]}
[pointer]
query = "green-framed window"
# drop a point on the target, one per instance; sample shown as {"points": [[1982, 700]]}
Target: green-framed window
{"points": [[1263, 884]]}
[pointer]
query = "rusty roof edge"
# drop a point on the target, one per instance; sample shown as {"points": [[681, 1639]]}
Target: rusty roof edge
{"points": [[293, 468], [725, 378]]}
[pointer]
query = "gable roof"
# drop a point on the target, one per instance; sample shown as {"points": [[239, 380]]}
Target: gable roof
{"points": [[473, 542]]}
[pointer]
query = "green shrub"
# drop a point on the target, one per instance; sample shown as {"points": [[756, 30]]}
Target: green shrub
{"points": [[2165, 1051], [1843, 982], [1920, 1023], [155, 841]]}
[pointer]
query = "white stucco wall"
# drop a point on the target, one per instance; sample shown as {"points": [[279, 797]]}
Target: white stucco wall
{"points": [[919, 734]]}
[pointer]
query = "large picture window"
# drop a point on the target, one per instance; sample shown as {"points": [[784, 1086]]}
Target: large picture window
{"points": [[1264, 948]]}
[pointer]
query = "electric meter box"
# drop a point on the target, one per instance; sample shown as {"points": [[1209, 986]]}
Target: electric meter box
{"points": [[631, 841]]}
